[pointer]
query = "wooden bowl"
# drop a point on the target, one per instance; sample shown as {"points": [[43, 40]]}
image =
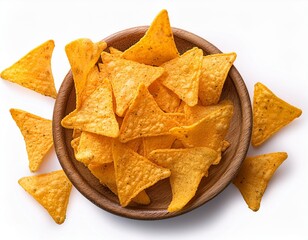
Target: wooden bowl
{"points": [[219, 176]]}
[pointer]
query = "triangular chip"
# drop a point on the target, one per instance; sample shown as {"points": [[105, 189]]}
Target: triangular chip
{"points": [[167, 100], [158, 142], [106, 175], [134, 173], [144, 118], [115, 51], [215, 69], [182, 75], [51, 190], [157, 45], [96, 113], [208, 132], [270, 114], [125, 77], [187, 167], [254, 176], [37, 133], [33, 71], [82, 55], [94, 149]]}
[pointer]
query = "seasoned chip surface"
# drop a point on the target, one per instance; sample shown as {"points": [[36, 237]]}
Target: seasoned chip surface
{"points": [[51, 190]]}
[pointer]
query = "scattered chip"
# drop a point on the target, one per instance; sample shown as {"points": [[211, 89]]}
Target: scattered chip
{"points": [[37, 133], [94, 149], [187, 167], [51, 190], [182, 75], [254, 176], [157, 45], [96, 113], [270, 114], [134, 173], [125, 77], [106, 175], [144, 118], [167, 100], [82, 55], [215, 69], [208, 132], [33, 71]]}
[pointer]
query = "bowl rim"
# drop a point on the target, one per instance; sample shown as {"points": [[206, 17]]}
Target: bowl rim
{"points": [[96, 197]]}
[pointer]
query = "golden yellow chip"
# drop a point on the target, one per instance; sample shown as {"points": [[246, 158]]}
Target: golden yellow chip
{"points": [[157, 142], [33, 71], [215, 69], [37, 133], [167, 100], [208, 132], [74, 144], [134, 173], [270, 114], [115, 51], [106, 175], [135, 144], [125, 77], [144, 118], [182, 75], [51, 190], [94, 149], [82, 55], [157, 45], [254, 176], [187, 167], [96, 113], [225, 145]]}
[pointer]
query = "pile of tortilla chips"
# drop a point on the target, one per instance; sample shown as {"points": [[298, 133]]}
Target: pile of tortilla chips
{"points": [[149, 113], [143, 115]]}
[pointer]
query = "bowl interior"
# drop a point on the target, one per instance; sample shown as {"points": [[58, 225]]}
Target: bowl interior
{"points": [[219, 176]]}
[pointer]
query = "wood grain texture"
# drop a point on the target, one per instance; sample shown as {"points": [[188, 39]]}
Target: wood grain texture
{"points": [[220, 176]]}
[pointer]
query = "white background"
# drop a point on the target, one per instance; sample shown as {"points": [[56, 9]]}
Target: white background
{"points": [[271, 42]]}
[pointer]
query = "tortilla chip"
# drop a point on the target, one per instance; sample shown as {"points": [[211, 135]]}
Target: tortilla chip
{"points": [[254, 176], [208, 132], [134, 173], [82, 55], [33, 71], [37, 133], [106, 175], [167, 100], [157, 45], [96, 113], [125, 77], [225, 145], [187, 167], [182, 75], [215, 69], [94, 149], [270, 114], [144, 118], [158, 142], [75, 144], [115, 51], [51, 190]]}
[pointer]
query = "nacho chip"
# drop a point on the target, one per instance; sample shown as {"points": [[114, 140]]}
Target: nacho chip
{"points": [[82, 55], [96, 113], [125, 77], [157, 45], [106, 175], [182, 75], [158, 142], [74, 144], [208, 132], [254, 176], [51, 190], [94, 149], [134, 173], [225, 145], [167, 100], [144, 118], [115, 51], [37, 133], [215, 69], [33, 71], [270, 114], [187, 167]]}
